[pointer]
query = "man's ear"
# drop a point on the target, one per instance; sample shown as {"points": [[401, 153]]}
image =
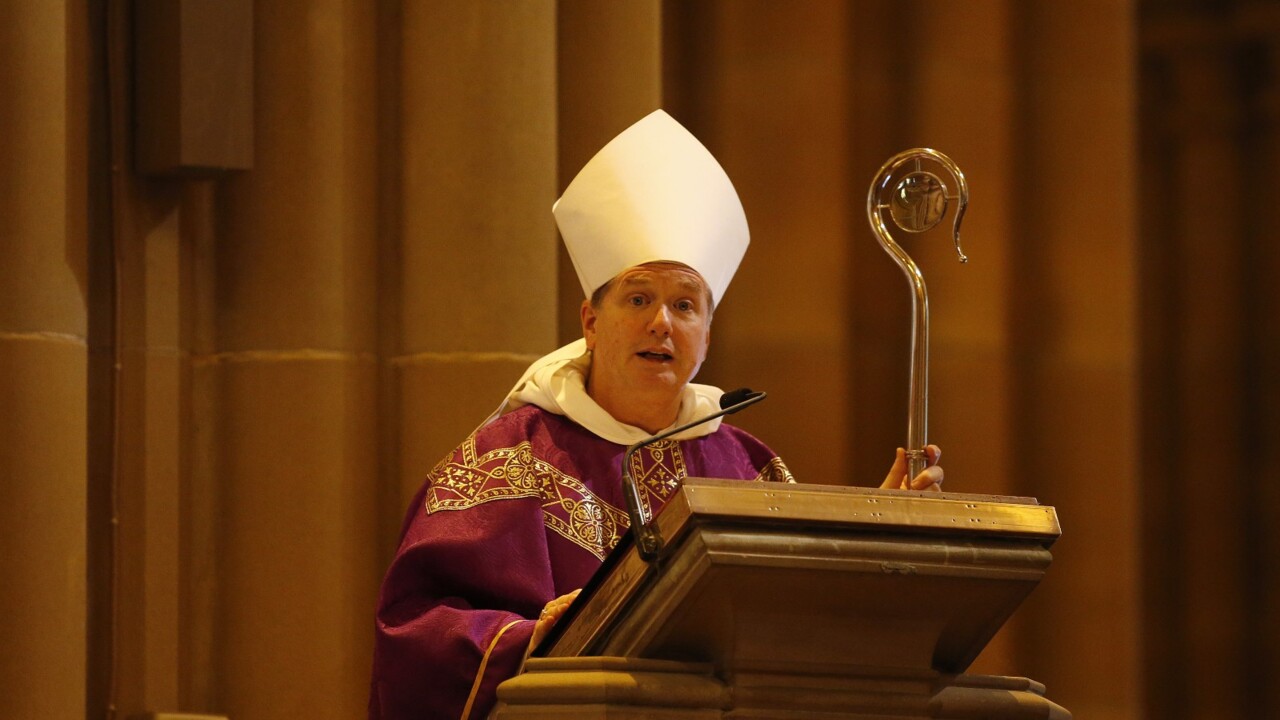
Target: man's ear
{"points": [[588, 317]]}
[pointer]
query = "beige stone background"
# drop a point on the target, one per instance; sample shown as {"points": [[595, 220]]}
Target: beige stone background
{"points": [[218, 389]]}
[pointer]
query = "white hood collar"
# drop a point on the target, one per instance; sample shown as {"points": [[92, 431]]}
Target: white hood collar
{"points": [[557, 383]]}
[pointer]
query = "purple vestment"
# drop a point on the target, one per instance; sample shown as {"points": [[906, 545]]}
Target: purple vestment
{"points": [[521, 513]]}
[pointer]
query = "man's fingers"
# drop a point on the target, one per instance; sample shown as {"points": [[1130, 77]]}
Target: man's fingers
{"points": [[540, 629], [551, 612], [554, 609], [929, 479], [897, 477]]}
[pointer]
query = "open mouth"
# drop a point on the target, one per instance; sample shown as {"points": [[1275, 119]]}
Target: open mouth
{"points": [[655, 356]]}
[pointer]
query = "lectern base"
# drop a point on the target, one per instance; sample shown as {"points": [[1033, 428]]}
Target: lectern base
{"points": [[638, 689]]}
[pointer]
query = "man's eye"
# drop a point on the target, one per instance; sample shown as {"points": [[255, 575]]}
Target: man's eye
{"points": [[684, 306], [636, 300]]}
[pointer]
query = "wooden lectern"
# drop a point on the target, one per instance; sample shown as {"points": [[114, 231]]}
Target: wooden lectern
{"points": [[800, 601]]}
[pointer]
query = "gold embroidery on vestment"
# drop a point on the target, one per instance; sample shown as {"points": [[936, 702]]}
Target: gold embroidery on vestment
{"points": [[656, 478], [569, 507], [466, 479], [775, 471]]}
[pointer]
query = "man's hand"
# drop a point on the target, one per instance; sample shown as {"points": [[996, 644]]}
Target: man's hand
{"points": [[550, 614], [929, 479]]}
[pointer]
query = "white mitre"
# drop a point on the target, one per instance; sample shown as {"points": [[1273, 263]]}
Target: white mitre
{"points": [[653, 193]]}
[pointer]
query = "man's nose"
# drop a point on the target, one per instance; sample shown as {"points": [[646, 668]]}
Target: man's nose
{"points": [[660, 323]]}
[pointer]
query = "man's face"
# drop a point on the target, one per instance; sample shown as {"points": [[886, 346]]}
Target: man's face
{"points": [[650, 332]]}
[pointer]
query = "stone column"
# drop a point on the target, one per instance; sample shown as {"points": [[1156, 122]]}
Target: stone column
{"points": [[1201, 461], [773, 110], [293, 376], [475, 289], [43, 360], [609, 75], [145, 375], [1074, 430], [150, 421], [1264, 379]]}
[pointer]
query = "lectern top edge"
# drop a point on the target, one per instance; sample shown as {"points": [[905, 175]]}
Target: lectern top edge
{"points": [[866, 508]]}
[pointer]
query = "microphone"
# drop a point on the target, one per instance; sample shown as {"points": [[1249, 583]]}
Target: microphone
{"points": [[647, 538], [733, 398]]}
